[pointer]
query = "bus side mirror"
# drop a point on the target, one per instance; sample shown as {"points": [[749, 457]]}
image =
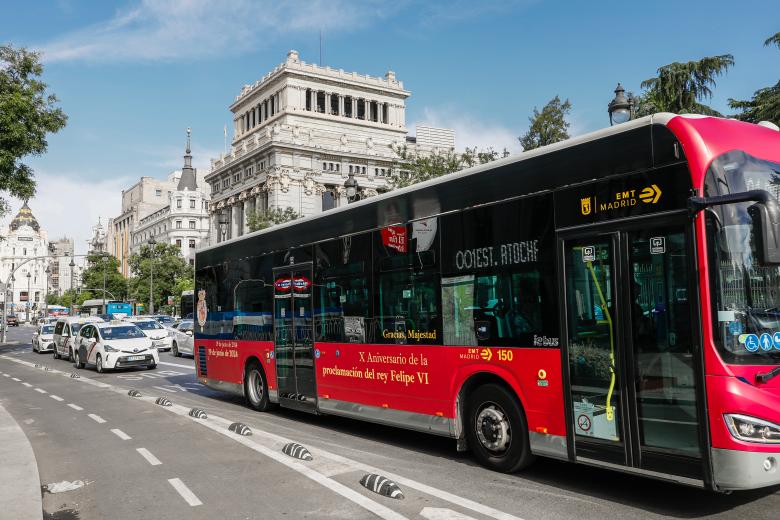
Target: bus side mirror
{"points": [[766, 223]]}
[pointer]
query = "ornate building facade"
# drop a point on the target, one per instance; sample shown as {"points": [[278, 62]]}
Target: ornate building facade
{"points": [[184, 221], [25, 253], [300, 132]]}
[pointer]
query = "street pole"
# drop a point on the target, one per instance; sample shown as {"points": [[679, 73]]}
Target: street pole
{"points": [[104, 284], [152, 243], [27, 313], [72, 264], [46, 294]]}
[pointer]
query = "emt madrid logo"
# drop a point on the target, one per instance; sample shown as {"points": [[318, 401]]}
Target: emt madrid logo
{"points": [[621, 199]]}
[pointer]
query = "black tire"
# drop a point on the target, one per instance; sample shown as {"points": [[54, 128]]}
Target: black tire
{"points": [[55, 354], [496, 429], [256, 388], [77, 360], [175, 350], [70, 355], [99, 365], [151, 367]]}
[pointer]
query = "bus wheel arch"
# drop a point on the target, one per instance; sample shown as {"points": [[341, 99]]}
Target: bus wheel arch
{"points": [[487, 399], [255, 385]]}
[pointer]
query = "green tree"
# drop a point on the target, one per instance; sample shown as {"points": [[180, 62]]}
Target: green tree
{"points": [[92, 277], [680, 88], [27, 114], [548, 126], [165, 263], [765, 105], [257, 220], [414, 167]]}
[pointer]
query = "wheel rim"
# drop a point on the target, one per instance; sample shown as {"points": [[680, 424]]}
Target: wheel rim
{"points": [[256, 387], [493, 430], [100, 364], [76, 358]]}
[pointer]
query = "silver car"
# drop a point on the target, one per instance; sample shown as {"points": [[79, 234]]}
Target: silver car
{"points": [[183, 339]]}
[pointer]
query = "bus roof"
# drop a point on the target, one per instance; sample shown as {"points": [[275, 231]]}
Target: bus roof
{"points": [[635, 145]]}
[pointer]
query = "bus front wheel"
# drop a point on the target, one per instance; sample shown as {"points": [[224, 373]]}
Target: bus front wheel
{"points": [[256, 387], [497, 431]]}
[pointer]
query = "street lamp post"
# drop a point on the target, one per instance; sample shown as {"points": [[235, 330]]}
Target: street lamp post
{"points": [[152, 242], [621, 108], [351, 186], [104, 261], [29, 277], [72, 264], [46, 294]]}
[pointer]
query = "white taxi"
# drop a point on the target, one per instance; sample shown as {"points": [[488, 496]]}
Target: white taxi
{"points": [[161, 336], [43, 338], [117, 344]]}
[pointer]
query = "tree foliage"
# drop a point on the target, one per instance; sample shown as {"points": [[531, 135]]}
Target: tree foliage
{"points": [[680, 88], [765, 104], [257, 220], [92, 277], [163, 263], [548, 126], [27, 114], [414, 167]]}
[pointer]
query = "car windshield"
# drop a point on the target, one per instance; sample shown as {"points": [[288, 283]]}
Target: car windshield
{"points": [[76, 327], [164, 319], [148, 325], [746, 291], [121, 332], [47, 329]]}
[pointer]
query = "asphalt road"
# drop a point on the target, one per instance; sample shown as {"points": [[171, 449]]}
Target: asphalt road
{"points": [[131, 458]]}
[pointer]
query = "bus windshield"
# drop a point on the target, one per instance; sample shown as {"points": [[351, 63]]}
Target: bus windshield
{"points": [[745, 291]]}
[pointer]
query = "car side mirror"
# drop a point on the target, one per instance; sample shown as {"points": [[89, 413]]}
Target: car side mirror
{"points": [[188, 333]]}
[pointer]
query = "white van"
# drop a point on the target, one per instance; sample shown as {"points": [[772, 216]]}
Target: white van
{"points": [[66, 332]]}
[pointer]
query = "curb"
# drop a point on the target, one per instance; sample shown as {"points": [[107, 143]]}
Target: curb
{"points": [[20, 484]]}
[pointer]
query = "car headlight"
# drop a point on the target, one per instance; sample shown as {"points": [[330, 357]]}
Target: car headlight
{"points": [[751, 429], [109, 348]]}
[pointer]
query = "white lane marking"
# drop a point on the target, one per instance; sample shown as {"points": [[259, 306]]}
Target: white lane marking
{"points": [[122, 435], [6, 375], [56, 397], [151, 459], [16, 379], [60, 487], [75, 407], [176, 365], [96, 418], [185, 492], [442, 513], [40, 390], [28, 385], [334, 486]]}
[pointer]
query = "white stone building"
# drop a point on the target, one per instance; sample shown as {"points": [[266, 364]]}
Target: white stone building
{"points": [[25, 249], [184, 221], [151, 206], [300, 131], [61, 251]]}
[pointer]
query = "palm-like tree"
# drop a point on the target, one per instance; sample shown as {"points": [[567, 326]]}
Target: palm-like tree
{"points": [[773, 40], [765, 105], [680, 87]]}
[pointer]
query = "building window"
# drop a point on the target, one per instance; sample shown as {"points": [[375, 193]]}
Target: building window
{"points": [[178, 242], [248, 172], [376, 171], [324, 166], [192, 243], [328, 200], [350, 168], [364, 170], [308, 99], [192, 262], [192, 224], [225, 183], [337, 167], [178, 224], [192, 203], [347, 106], [205, 204], [236, 178], [178, 203], [158, 192], [321, 102], [330, 166]]}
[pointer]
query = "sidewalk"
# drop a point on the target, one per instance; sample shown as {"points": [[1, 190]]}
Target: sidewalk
{"points": [[20, 484]]}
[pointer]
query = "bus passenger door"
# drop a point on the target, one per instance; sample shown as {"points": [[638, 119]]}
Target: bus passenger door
{"points": [[293, 333], [634, 397]]}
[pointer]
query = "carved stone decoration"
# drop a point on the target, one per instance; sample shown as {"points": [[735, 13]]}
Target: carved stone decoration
{"points": [[369, 143], [277, 128], [279, 179], [368, 192], [296, 131], [308, 185], [344, 139], [268, 132]]}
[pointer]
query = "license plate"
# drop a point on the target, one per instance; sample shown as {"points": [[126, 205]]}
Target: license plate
{"points": [[158, 343], [135, 358]]}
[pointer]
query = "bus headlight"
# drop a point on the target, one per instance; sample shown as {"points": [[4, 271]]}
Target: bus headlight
{"points": [[751, 429]]}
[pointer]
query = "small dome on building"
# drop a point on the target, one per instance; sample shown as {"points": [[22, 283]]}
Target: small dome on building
{"points": [[24, 218]]}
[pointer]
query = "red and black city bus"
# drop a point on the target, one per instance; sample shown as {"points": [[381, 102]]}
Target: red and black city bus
{"points": [[611, 300]]}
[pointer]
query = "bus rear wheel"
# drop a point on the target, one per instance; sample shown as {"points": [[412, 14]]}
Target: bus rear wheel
{"points": [[256, 387], [496, 430]]}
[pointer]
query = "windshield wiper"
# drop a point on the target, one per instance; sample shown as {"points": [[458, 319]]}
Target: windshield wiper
{"points": [[764, 377]]}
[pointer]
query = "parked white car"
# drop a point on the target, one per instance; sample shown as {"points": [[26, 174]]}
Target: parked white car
{"points": [[65, 333], [161, 337], [43, 338], [183, 339], [114, 345]]}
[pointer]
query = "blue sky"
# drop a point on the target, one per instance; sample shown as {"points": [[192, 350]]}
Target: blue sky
{"points": [[133, 75]]}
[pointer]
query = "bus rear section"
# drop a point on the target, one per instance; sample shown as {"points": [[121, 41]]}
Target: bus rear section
{"points": [[592, 301]]}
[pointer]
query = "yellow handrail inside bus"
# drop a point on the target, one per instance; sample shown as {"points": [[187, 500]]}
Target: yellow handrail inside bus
{"points": [[610, 413]]}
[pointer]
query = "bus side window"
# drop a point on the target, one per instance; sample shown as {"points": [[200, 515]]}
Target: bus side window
{"points": [[253, 310]]}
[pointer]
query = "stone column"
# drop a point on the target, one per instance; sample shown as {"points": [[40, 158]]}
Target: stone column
{"points": [[341, 106]]}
